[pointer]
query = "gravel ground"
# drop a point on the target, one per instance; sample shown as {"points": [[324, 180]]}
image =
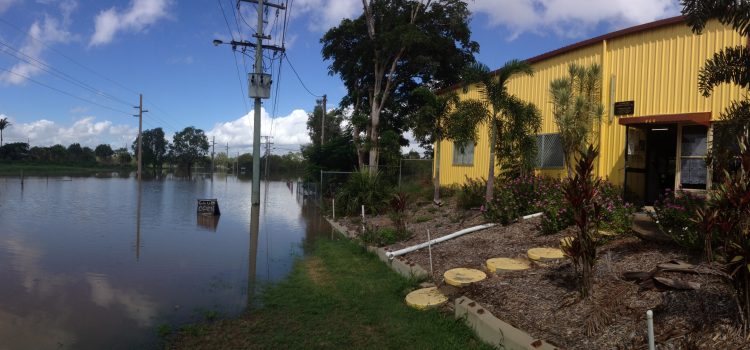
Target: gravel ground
{"points": [[544, 301]]}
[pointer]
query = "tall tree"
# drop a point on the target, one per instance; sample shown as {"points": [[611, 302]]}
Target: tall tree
{"points": [[513, 123], [4, 123], [429, 124], [189, 146], [154, 148], [123, 156], [389, 50], [576, 105], [730, 65], [104, 152]]}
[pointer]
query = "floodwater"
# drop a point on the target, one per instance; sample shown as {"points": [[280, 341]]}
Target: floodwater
{"points": [[87, 263]]}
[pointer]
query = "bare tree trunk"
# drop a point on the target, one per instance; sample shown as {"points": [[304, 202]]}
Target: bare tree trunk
{"points": [[436, 180], [491, 172], [373, 162]]}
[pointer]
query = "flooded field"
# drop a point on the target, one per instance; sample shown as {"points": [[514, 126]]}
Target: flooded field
{"points": [[97, 263]]}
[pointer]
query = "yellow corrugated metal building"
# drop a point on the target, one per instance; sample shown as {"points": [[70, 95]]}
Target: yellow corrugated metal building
{"points": [[651, 69]]}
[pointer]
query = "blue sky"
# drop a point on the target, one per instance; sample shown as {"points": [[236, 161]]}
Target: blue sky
{"points": [[108, 51]]}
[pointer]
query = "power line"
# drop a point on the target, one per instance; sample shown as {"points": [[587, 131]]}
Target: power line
{"points": [[236, 65], [55, 72], [85, 67], [284, 55], [62, 91]]}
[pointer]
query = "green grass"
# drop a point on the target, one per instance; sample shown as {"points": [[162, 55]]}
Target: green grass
{"points": [[340, 297], [14, 169]]}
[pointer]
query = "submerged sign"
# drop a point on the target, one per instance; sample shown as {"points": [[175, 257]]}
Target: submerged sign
{"points": [[208, 207]]}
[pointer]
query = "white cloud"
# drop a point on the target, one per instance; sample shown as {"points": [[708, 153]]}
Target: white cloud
{"points": [[570, 18], [49, 30], [324, 14], [138, 17], [86, 131], [290, 131], [138, 306]]}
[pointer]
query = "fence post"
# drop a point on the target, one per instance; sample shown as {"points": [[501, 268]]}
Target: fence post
{"points": [[320, 190], [399, 172], [333, 206]]}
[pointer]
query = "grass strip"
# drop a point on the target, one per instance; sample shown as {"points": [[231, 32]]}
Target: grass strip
{"points": [[340, 297]]}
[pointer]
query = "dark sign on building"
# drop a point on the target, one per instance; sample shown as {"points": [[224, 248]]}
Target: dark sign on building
{"points": [[624, 108], [208, 207]]}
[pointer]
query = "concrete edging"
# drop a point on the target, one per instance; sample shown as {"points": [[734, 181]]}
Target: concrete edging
{"points": [[486, 326]]}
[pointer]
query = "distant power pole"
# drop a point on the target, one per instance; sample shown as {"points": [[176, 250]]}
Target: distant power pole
{"points": [[140, 130], [213, 148], [268, 152], [323, 122], [228, 162]]}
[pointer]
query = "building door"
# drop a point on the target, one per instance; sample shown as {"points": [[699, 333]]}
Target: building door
{"points": [[661, 155]]}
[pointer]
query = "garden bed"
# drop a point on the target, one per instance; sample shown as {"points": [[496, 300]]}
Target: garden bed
{"points": [[544, 302]]}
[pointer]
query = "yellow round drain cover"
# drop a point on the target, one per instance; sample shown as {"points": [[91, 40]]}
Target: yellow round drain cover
{"points": [[545, 253], [463, 277], [566, 241], [507, 264], [425, 298]]}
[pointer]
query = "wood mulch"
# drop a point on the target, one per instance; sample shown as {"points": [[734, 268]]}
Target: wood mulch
{"points": [[544, 302]]}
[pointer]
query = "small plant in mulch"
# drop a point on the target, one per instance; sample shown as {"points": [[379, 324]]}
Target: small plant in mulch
{"points": [[397, 209], [383, 236], [617, 215], [582, 194], [674, 213], [471, 194], [725, 218]]}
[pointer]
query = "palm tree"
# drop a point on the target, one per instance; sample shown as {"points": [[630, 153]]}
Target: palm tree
{"points": [[429, 124], [730, 65], [576, 105], [513, 122], [4, 123]]}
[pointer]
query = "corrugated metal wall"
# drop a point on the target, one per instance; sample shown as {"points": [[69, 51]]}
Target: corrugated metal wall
{"points": [[658, 69]]}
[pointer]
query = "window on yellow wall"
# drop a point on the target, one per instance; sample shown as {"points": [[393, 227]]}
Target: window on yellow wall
{"points": [[463, 153], [549, 151], [693, 170]]}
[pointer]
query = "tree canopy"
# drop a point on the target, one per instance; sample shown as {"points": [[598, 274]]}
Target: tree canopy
{"points": [[388, 51], [154, 148], [189, 146]]}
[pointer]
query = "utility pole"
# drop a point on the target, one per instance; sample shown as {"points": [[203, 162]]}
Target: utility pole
{"points": [[268, 152], [260, 85], [323, 122], [140, 130], [213, 148]]}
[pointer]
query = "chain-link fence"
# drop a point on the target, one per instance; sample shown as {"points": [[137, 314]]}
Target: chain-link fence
{"points": [[409, 171]]}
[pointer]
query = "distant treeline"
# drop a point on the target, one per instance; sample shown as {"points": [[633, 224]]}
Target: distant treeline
{"points": [[74, 154], [188, 149]]}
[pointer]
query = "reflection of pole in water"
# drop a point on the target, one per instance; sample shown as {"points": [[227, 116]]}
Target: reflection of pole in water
{"points": [[138, 225], [253, 253]]}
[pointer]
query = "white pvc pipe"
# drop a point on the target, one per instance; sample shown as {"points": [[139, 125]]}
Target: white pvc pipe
{"points": [[532, 216], [429, 247], [392, 255], [650, 322]]}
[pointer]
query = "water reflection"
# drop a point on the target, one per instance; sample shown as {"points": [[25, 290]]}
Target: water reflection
{"points": [[71, 281]]}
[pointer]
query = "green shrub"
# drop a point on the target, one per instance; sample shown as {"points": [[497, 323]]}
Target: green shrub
{"points": [[383, 236], [503, 208], [421, 219], [617, 215], [471, 194], [362, 188], [674, 214]]}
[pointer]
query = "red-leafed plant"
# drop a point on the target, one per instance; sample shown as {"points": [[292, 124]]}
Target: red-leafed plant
{"points": [[582, 194], [725, 220]]}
